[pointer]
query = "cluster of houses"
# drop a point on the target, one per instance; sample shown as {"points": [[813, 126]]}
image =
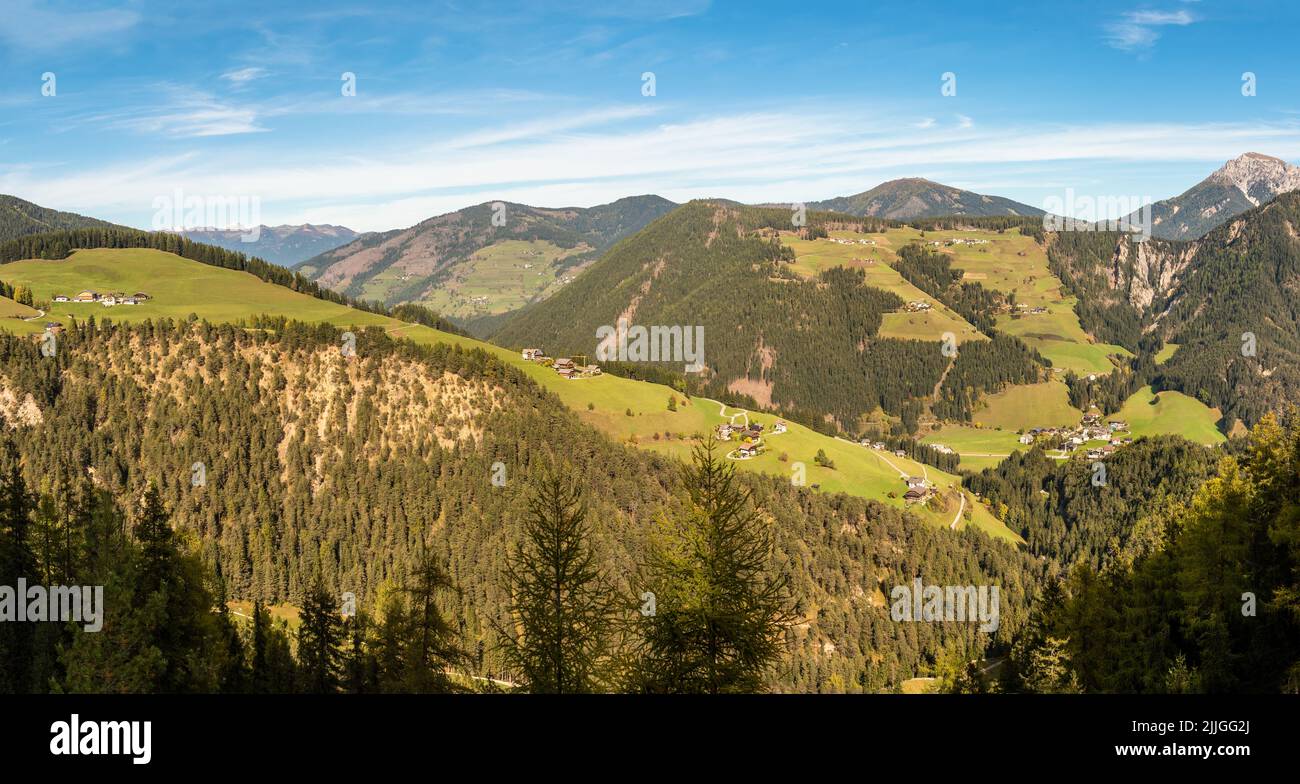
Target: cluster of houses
{"points": [[1090, 429], [751, 437], [918, 306], [565, 367], [1023, 309], [842, 241], [879, 446], [957, 241], [107, 300]]}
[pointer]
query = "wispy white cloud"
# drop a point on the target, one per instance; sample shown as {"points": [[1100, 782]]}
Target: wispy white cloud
{"points": [[757, 157], [1139, 30], [241, 76], [182, 113]]}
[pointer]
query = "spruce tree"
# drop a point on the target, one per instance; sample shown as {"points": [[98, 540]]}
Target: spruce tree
{"points": [[564, 612], [320, 640], [717, 617]]}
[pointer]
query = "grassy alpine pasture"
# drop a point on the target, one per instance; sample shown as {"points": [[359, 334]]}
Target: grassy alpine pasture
{"points": [[1150, 413], [1008, 262], [13, 317], [504, 276], [1027, 406], [979, 447], [180, 287], [813, 256]]}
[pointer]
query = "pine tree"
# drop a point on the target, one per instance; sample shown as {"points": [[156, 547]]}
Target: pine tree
{"points": [[719, 616], [320, 640], [564, 611], [431, 647], [17, 640]]}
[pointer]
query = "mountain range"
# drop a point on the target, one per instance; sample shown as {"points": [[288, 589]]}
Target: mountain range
{"points": [[915, 197], [481, 260], [287, 246], [1242, 183]]}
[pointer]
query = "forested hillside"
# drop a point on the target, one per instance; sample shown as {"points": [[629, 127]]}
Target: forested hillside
{"points": [[789, 344], [1227, 301], [19, 218], [1203, 595], [482, 260], [278, 458]]}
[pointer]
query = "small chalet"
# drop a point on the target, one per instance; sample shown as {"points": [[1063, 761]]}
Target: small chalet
{"points": [[61, 298], [899, 453], [914, 495], [86, 296], [916, 482], [530, 354], [748, 450], [1026, 439], [724, 432], [779, 427], [564, 363], [140, 296]]}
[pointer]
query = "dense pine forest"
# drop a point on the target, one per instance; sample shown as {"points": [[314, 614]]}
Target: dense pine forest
{"points": [[1175, 588], [291, 473]]}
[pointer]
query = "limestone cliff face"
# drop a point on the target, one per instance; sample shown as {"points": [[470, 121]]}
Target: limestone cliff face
{"points": [[1145, 272]]}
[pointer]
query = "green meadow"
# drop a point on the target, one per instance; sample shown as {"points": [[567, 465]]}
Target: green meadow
{"points": [[504, 276], [813, 256], [1149, 413], [1027, 406], [979, 447]]}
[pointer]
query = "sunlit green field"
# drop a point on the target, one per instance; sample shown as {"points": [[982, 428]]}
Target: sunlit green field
{"points": [[1148, 414], [1166, 353], [979, 447], [813, 256], [1058, 337], [180, 287], [1008, 262], [1029, 405], [13, 317], [502, 277]]}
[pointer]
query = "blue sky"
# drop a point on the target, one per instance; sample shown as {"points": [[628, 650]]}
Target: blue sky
{"points": [[541, 102]]}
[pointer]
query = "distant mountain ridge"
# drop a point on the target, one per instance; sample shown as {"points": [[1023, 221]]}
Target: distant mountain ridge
{"points": [[1241, 184], [436, 261], [916, 197], [284, 245], [19, 218]]}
